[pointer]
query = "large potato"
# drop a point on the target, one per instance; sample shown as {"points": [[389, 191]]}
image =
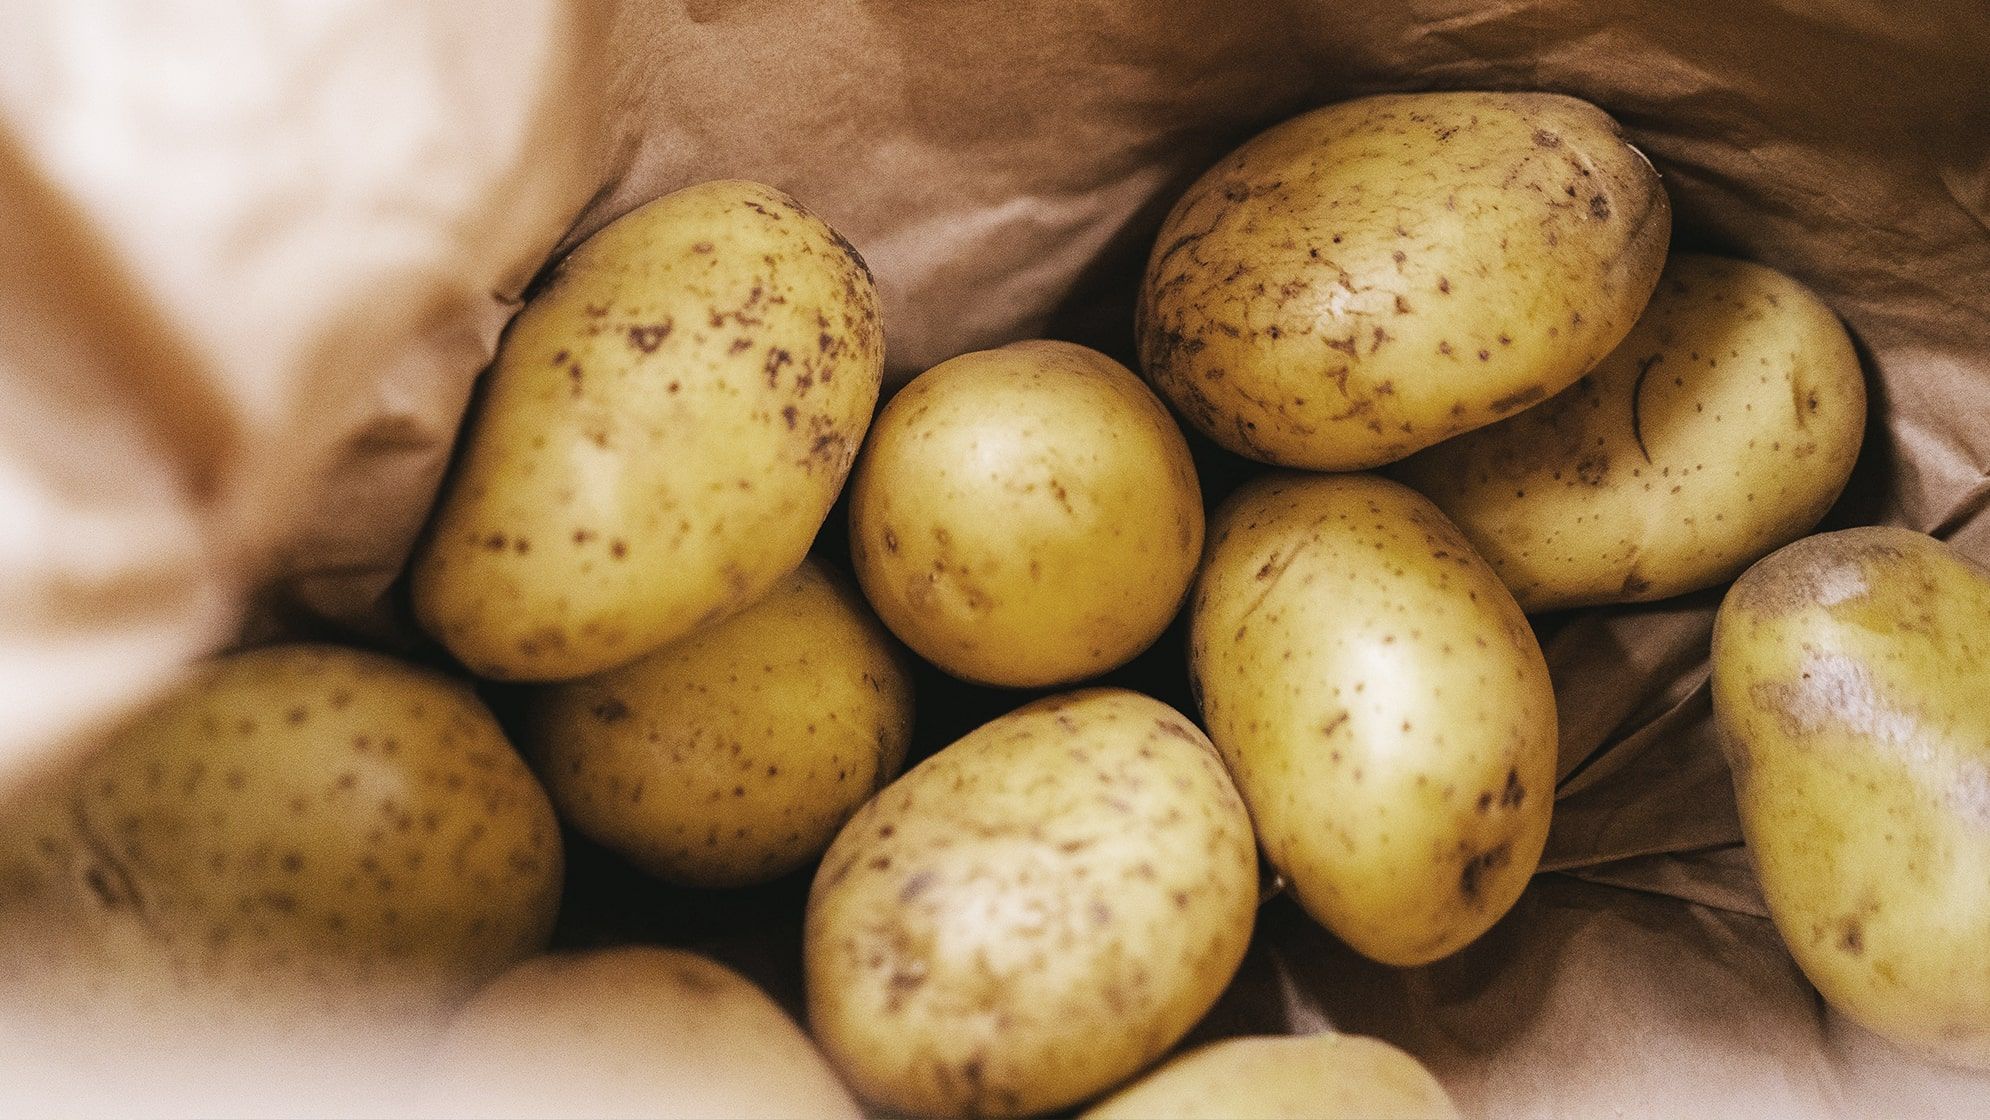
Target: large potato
{"points": [[1383, 705], [1026, 516], [733, 755], [1849, 676], [1369, 278], [1324, 1076], [1721, 428], [663, 432], [635, 1032], [1034, 913]]}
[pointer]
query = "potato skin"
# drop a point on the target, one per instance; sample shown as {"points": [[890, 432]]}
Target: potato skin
{"points": [[1849, 672], [636, 1031], [732, 756], [1032, 914], [664, 430], [1721, 428], [1383, 705], [1027, 516], [1369, 278], [1325, 1076]]}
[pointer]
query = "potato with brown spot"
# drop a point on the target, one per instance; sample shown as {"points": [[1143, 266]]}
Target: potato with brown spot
{"points": [[1383, 705], [1372, 277], [1027, 516], [632, 1032], [1034, 913], [664, 430], [1721, 428], [1325, 1076], [732, 756], [1849, 677]]}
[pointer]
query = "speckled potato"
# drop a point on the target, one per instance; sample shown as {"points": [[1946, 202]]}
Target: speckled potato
{"points": [[1032, 914], [732, 756], [1027, 516], [1383, 705], [1325, 1076], [1849, 676], [1371, 277], [1722, 427], [630, 1032], [663, 432]]}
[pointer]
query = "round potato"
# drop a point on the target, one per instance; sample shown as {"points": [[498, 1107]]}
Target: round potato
{"points": [[1722, 428], [1032, 914], [732, 756], [1383, 705], [1324, 1076], [1369, 278], [664, 430], [1026, 516], [1849, 671], [630, 1032]]}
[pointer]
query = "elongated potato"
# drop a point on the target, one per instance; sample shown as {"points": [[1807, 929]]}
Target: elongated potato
{"points": [[662, 434], [1383, 705], [1722, 428], [1325, 1076], [1369, 278]]}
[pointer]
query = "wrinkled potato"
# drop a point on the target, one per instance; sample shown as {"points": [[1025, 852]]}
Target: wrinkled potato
{"points": [[732, 756], [1324, 1076], [1722, 427], [1026, 516], [637, 1032], [1849, 671], [1034, 913], [1369, 278], [663, 432], [1383, 705]]}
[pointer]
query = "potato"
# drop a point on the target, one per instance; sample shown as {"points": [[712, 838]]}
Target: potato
{"points": [[1026, 516], [1324, 1076], [1849, 671], [1369, 278], [1383, 706], [1721, 428], [1032, 914], [663, 432], [633, 1031], [732, 756]]}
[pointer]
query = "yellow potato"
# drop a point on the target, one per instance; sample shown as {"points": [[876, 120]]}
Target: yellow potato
{"points": [[732, 756], [1369, 278], [1325, 1076], [1849, 676], [1026, 516], [1722, 427], [662, 434], [1383, 705], [637, 1032], [1034, 913]]}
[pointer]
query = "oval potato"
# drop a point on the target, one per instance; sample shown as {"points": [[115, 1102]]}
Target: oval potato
{"points": [[1032, 914], [1369, 278], [1326, 1076], [1383, 705], [664, 430], [1721, 428]]}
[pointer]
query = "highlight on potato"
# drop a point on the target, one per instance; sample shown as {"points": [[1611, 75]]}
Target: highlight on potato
{"points": [[1323, 1076]]}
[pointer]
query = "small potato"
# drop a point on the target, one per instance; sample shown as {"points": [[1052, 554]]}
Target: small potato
{"points": [[1721, 428], [1027, 516], [663, 432], [1325, 1076], [1032, 914], [732, 756], [630, 1032], [1369, 278], [1849, 676], [1383, 705]]}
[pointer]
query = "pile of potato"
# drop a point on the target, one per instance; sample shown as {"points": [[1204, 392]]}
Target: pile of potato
{"points": [[1471, 291]]}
